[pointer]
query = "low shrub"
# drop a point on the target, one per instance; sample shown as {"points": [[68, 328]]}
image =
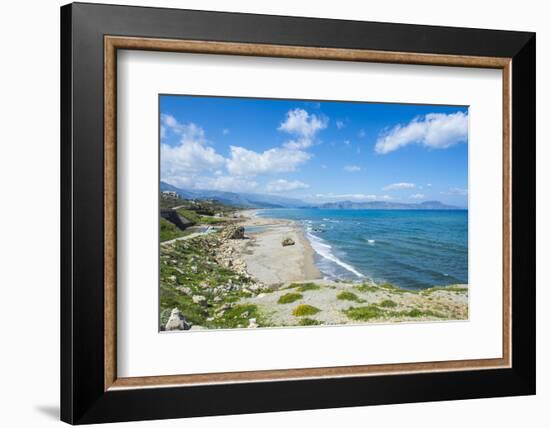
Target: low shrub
{"points": [[289, 298], [304, 310]]}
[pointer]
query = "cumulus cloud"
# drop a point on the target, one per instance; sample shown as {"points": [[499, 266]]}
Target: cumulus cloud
{"points": [[340, 124], [303, 126], [188, 157], [191, 155], [188, 131], [434, 130], [417, 196], [247, 162], [397, 186], [225, 131], [352, 168], [282, 185]]}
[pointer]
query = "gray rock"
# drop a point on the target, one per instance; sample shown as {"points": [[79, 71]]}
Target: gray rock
{"points": [[201, 300], [177, 321], [185, 290], [287, 241], [234, 232], [252, 323]]}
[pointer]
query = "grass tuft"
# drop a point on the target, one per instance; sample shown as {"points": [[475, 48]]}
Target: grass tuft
{"points": [[289, 298], [306, 286], [450, 288], [364, 313], [388, 304], [367, 288], [309, 321], [417, 313], [347, 295], [304, 310]]}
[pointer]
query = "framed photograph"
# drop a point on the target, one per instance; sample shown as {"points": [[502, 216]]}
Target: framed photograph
{"points": [[266, 213]]}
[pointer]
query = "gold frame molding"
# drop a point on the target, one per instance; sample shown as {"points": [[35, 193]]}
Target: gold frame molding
{"points": [[113, 43]]}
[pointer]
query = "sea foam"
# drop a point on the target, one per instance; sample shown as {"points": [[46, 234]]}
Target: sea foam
{"points": [[325, 251]]}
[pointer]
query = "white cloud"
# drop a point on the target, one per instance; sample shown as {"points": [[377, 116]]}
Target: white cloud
{"points": [[191, 155], [358, 197], [225, 131], [362, 133], [397, 186], [457, 191], [300, 144], [352, 168], [248, 162], [282, 185], [417, 196], [162, 132], [347, 142], [188, 131], [340, 124], [227, 183], [304, 126], [350, 196], [188, 157], [434, 130]]}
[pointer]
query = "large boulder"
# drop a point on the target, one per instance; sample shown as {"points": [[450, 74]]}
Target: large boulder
{"points": [[177, 321], [287, 241]]}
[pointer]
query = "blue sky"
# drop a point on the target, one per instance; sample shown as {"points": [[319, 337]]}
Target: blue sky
{"points": [[316, 151]]}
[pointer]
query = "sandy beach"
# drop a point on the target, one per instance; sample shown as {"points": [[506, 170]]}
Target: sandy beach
{"points": [[268, 260]]}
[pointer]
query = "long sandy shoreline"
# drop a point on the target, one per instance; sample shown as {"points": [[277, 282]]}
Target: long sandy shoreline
{"points": [[268, 260]]}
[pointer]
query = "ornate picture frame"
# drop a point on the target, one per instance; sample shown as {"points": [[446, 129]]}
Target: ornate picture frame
{"points": [[92, 391]]}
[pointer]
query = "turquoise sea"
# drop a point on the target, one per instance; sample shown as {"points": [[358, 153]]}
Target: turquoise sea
{"points": [[408, 248]]}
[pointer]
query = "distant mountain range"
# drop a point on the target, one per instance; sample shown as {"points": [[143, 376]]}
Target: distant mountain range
{"points": [[386, 205], [254, 200], [246, 200]]}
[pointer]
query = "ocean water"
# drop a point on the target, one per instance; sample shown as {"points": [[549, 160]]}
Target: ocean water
{"points": [[408, 248]]}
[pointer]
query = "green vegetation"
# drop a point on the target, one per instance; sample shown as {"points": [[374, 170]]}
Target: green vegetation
{"points": [[188, 269], [364, 313], [417, 313], [367, 288], [169, 230], [450, 288], [304, 310], [394, 289], [199, 219], [308, 321], [387, 304], [306, 286], [289, 298], [238, 317], [347, 295]]}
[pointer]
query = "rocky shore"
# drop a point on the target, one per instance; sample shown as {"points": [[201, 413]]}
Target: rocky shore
{"points": [[260, 272]]}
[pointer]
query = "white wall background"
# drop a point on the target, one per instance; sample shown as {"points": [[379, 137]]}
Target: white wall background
{"points": [[29, 177]]}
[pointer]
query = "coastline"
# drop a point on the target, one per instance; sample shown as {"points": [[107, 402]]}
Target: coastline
{"points": [[239, 274], [267, 259]]}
